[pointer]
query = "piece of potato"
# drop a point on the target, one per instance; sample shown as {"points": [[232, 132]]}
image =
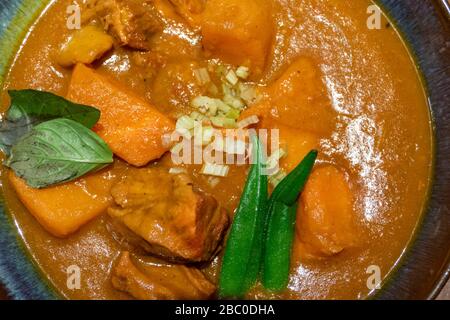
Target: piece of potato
{"points": [[131, 127], [325, 215], [63, 209], [86, 45], [239, 32]]}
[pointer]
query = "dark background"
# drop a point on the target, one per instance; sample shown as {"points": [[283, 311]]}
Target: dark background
{"points": [[3, 295]]}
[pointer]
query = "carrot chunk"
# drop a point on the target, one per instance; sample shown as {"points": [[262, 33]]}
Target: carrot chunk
{"points": [[63, 209], [131, 127]]}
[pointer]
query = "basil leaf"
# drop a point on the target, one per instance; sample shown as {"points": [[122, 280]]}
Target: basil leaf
{"points": [[31, 107], [58, 151]]}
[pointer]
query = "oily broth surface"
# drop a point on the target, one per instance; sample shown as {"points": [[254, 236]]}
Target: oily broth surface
{"points": [[372, 84]]}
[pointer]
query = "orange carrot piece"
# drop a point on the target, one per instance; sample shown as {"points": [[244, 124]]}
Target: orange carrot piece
{"points": [[131, 127]]}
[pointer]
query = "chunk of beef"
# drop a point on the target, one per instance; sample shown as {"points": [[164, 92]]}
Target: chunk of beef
{"points": [[166, 216], [157, 281], [132, 22]]}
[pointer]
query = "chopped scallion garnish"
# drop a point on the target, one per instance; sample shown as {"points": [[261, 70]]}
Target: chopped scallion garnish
{"points": [[177, 170], [217, 170], [232, 77], [248, 121], [223, 122], [202, 76], [242, 72], [277, 177]]}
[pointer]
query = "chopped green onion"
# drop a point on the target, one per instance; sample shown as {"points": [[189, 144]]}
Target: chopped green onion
{"points": [[223, 122], [242, 72], [186, 133], [213, 64], [223, 107], [227, 90], [177, 170], [232, 78], [198, 135], [234, 146], [273, 160], [197, 116], [207, 135], [185, 122], [233, 113], [205, 104], [235, 102], [276, 178], [185, 125], [248, 121], [248, 93], [213, 181], [217, 170], [202, 76], [177, 148]]}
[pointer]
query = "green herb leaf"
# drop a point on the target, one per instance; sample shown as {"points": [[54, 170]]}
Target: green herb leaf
{"points": [[31, 107], [58, 151]]}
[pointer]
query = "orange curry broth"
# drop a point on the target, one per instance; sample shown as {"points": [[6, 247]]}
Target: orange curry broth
{"points": [[381, 137]]}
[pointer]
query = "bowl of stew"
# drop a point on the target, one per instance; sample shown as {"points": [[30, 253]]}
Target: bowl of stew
{"points": [[215, 149]]}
